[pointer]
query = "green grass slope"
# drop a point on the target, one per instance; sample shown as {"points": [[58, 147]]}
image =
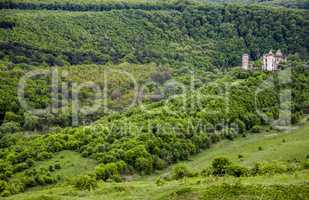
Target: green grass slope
{"points": [[71, 164], [280, 146], [289, 145], [275, 146]]}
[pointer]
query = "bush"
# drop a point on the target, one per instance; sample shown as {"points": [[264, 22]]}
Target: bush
{"points": [[144, 165], [20, 167], [159, 181], [15, 187], [229, 133], [256, 129], [51, 168], [266, 168], [220, 166], [237, 171], [85, 182], [9, 127], [207, 172], [110, 171], [240, 126], [115, 178], [105, 171], [57, 166], [181, 171], [3, 186], [159, 163]]}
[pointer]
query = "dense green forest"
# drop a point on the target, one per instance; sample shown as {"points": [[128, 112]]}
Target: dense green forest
{"points": [[197, 37], [100, 5], [188, 91]]}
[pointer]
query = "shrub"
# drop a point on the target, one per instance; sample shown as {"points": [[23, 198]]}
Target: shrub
{"points": [[264, 168], [6, 170], [260, 148], [15, 187], [85, 182], [9, 127], [181, 171], [237, 171], [3, 186], [161, 77], [110, 171], [44, 155], [20, 167], [207, 172], [229, 133], [143, 165], [159, 181], [51, 168], [115, 178], [105, 171], [57, 166], [220, 166], [159, 163], [240, 126], [256, 129]]}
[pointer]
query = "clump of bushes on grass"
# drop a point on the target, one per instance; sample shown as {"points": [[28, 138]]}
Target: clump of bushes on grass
{"points": [[222, 166], [29, 178], [268, 168], [110, 171], [181, 171], [86, 182], [256, 129]]}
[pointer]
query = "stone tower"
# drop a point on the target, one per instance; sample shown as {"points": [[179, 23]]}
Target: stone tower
{"points": [[245, 62]]}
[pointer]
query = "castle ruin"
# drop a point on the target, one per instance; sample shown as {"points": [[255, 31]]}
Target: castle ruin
{"points": [[270, 61]]}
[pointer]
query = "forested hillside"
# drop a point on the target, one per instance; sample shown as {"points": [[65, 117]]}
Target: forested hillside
{"points": [[99, 5], [142, 140], [177, 63], [299, 4], [202, 36], [196, 37]]}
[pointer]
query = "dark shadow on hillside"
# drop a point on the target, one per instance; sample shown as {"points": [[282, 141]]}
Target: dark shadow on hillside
{"points": [[1, 118]]}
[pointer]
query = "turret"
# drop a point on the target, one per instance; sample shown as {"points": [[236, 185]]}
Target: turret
{"points": [[279, 53]]}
